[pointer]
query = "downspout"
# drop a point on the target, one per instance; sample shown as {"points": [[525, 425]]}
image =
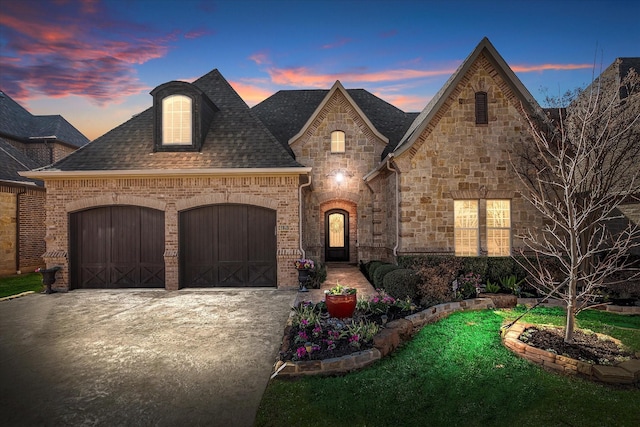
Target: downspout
{"points": [[22, 191], [395, 248], [300, 213]]}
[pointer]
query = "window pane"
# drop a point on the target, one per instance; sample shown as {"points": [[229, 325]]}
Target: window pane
{"points": [[176, 120], [466, 227], [498, 242], [336, 230], [498, 227], [337, 141]]}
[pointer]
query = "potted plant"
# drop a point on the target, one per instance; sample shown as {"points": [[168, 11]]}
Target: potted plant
{"points": [[341, 301], [304, 266]]}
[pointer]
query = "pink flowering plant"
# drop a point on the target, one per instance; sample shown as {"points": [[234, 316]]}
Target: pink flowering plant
{"points": [[304, 264], [468, 285], [314, 335]]}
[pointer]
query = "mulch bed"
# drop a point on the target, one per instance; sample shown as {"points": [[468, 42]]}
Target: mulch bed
{"points": [[588, 347]]}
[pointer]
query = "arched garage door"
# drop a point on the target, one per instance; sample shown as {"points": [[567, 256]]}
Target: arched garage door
{"points": [[227, 245], [117, 247]]}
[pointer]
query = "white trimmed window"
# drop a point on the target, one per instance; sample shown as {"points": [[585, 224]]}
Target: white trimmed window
{"points": [[466, 231], [177, 120], [498, 227], [337, 141]]}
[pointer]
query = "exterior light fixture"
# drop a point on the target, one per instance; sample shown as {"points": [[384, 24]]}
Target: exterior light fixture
{"points": [[339, 175]]}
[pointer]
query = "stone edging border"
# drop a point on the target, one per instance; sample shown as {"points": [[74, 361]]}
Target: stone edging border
{"points": [[627, 372], [17, 295], [387, 340]]}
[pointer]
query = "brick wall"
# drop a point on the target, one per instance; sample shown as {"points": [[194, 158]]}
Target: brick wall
{"points": [[7, 233], [32, 228], [455, 158], [172, 195]]}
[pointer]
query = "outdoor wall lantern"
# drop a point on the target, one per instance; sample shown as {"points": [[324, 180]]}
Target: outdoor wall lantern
{"points": [[340, 175]]}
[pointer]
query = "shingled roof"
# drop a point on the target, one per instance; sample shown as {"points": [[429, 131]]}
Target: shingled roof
{"points": [[19, 124], [287, 111], [13, 161], [236, 138]]}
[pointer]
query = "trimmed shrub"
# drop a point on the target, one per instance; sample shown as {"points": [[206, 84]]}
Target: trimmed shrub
{"points": [[499, 268], [402, 283], [477, 265], [372, 268], [436, 280], [382, 271]]}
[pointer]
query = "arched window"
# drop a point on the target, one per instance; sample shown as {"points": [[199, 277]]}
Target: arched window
{"points": [[337, 141], [177, 120], [482, 108]]}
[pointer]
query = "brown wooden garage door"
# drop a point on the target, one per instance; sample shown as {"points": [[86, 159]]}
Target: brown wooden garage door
{"points": [[117, 247], [227, 245]]}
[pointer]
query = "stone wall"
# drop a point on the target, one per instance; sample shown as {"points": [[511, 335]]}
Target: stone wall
{"points": [[172, 195], [455, 158], [363, 149]]}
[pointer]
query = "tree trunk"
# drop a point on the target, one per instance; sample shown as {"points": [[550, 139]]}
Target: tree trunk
{"points": [[571, 310]]}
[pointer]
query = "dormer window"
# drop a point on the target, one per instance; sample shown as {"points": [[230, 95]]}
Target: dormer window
{"points": [[177, 120], [337, 141], [182, 115], [482, 108]]}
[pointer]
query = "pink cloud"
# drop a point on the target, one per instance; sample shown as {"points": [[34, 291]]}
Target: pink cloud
{"points": [[341, 42], [304, 77], [546, 67], [260, 58], [197, 33], [250, 93], [68, 48]]}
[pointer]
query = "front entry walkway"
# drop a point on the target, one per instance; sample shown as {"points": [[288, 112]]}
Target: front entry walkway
{"points": [[345, 274]]}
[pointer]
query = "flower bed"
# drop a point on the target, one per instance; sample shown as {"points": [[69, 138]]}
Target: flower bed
{"points": [[399, 327], [314, 335]]}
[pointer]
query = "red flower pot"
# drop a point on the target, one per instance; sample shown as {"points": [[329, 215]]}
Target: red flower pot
{"points": [[341, 306]]}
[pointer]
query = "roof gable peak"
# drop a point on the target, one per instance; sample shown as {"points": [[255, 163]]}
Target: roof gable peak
{"points": [[338, 87]]}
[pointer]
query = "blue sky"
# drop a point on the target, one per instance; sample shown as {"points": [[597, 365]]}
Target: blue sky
{"points": [[95, 61]]}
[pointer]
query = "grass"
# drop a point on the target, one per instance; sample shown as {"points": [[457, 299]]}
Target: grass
{"points": [[456, 372], [17, 284]]}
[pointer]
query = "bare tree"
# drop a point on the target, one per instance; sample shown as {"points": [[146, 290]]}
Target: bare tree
{"points": [[578, 167]]}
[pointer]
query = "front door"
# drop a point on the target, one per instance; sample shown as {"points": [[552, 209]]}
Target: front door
{"points": [[336, 231]]}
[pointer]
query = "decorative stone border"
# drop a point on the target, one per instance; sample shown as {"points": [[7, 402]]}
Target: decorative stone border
{"points": [[627, 372], [22, 294], [387, 340]]}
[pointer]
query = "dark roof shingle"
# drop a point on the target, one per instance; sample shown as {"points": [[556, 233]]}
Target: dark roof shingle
{"points": [[236, 138], [287, 111]]}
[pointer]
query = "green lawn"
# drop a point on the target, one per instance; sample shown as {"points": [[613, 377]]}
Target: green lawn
{"points": [[16, 284], [456, 372]]}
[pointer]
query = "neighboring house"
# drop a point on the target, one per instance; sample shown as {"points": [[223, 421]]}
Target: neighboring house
{"points": [[27, 142], [200, 190], [613, 75]]}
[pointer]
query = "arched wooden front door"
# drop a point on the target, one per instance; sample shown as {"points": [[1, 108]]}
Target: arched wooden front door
{"points": [[336, 231]]}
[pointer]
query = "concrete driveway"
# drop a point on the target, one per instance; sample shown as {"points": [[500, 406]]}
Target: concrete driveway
{"points": [[139, 357]]}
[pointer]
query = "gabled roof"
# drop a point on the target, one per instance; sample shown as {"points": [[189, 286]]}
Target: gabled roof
{"points": [[236, 138], [13, 161], [19, 124], [287, 112], [484, 47]]}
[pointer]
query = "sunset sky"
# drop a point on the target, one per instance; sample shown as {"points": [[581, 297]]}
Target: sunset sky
{"points": [[95, 61]]}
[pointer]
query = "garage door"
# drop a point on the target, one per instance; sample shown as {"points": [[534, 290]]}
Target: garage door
{"points": [[117, 247], [227, 245]]}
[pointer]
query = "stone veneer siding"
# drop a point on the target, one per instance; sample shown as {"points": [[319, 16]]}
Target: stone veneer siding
{"points": [[456, 159], [362, 154], [171, 195]]}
